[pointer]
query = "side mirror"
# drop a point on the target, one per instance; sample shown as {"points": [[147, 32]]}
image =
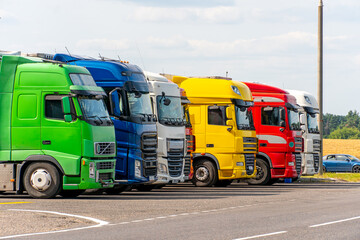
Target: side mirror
{"points": [[282, 124], [231, 124], [282, 114], [302, 119], [114, 98], [229, 112], [66, 109]]}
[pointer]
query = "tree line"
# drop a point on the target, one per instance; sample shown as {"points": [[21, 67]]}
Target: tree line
{"points": [[342, 127]]}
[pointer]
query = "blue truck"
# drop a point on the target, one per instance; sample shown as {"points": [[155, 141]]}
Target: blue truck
{"points": [[131, 112]]}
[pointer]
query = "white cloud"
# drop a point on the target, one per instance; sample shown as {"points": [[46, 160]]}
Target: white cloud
{"points": [[221, 14]]}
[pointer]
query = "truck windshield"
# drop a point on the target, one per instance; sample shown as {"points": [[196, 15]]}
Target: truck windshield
{"points": [[244, 120], [94, 111], [312, 123], [139, 104], [294, 120], [169, 110]]}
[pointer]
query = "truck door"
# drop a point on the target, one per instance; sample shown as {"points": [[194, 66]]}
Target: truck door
{"points": [[59, 139], [218, 138], [273, 137]]}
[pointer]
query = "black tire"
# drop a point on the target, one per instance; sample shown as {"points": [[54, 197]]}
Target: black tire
{"points": [[159, 186], [145, 188], [41, 172], [356, 169], [205, 173], [117, 189], [223, 183], [263, 174], [71, 193], [272, 181], [295, 179]]}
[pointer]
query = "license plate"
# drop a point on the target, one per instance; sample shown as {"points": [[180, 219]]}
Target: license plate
{"points": [[176, 144], [151, 178]]}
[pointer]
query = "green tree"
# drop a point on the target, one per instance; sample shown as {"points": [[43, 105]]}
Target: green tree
{"points": [[345, 133]]}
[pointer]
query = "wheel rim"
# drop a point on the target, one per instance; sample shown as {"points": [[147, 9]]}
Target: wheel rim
{"points": [[357, 169], [202, 173], [40, 179], [259, 173]]}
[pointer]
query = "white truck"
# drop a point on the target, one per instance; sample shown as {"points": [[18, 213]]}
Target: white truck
{"points": [[172, 144], [312, 143]]}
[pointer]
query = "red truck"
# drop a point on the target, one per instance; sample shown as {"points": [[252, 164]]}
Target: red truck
{"points": [[277, 124]]}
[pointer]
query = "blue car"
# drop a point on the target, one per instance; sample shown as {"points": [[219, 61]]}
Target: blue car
{"points": [[341, 163]]}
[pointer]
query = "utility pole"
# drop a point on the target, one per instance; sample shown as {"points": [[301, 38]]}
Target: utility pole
{"points": [[320, 81]]}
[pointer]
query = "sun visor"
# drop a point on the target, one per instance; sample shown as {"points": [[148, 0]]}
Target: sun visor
{"points": [[142, 87]]}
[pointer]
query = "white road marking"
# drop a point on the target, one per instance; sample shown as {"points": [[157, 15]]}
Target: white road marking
{"points": [[99, 222], [338, 221], [262, 235]]}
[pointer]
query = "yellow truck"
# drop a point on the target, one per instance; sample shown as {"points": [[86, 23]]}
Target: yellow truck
{"points": [[225, 137]]}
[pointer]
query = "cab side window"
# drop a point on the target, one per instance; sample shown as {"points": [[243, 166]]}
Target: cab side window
{"points": [[272, 116], [217, 115], [53, 107]]}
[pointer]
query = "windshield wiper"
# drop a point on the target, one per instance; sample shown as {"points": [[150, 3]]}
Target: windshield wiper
{"points": [[96, 117]]}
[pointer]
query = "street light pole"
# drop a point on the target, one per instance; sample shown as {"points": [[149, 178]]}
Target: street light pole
{"points": [[320, 81]]}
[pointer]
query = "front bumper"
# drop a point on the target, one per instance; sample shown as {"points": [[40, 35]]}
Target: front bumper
{"points": [[103, 177]]}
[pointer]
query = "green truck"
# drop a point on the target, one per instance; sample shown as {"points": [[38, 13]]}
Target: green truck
{"points": [[56, 136]]}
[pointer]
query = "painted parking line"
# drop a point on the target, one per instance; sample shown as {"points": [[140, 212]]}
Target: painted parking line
{"points": [[262, 235], [333, 222], [99, 222], [14, 202]]}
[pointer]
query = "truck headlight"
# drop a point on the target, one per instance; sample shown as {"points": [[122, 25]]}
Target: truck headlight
{"points": [[291, 164], [162, 168], [137, 169], [91, 170]]}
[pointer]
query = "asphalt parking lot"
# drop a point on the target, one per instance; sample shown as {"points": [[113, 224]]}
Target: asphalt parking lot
{"points": [[281, 211]]}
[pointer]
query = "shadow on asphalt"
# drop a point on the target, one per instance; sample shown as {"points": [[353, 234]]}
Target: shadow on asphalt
{"points": [[188, 191]]}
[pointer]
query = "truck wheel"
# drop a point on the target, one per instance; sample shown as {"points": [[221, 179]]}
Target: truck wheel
{"points": [[42, 180], [223, 183], [145, 188], [71, 193], [263, 174], [204, 174], [117, 189]]}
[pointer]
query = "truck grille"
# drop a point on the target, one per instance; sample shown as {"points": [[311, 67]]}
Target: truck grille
{"points": [[298, 144], [105, 176], [187, 165], [249, 163], [298, 163], [148, 149], [250, 144], [104, 148], [316, 161], [175, 163], [104, 165], [316, 145]]}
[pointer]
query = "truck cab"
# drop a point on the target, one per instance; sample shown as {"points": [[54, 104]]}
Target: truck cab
{"points": [[172, 148], [277, 123], [309, 112], [223, 129], [56, 133], [131, 112]]}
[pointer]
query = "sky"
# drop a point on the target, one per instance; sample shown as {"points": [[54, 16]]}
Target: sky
{"points": [[271, 42]]}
